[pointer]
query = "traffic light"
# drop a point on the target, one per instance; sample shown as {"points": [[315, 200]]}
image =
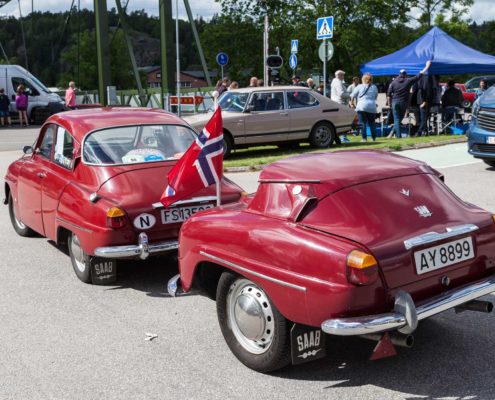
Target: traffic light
{"points": [[274, 61]]}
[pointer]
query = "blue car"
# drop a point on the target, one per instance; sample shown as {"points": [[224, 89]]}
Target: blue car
{"points": [[481, 134]]}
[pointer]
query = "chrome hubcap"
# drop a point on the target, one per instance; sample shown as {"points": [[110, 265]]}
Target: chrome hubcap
{"points": [[77, 253], [322, 134], [250, 316]]}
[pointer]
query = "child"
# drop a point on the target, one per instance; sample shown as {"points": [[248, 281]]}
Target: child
{"points": [[4, 108], [21, 103]]}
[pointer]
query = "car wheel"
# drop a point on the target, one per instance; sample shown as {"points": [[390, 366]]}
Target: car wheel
{"points": [[491, 163], [20, 227], [227, 145], [466, 104], [253, 328], [322, 135], [80, 260]]}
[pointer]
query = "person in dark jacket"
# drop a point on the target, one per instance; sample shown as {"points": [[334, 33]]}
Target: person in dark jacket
{"points": [[398, 95], [426, 99], [452, 99], [4, 108]]}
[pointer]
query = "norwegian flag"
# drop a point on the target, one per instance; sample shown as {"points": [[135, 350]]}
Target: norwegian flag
{"points": [[200, 166]]}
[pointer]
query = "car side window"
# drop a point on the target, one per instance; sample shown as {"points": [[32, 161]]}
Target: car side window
{"points": [[267, 101], [16, 81], [46, 146], [64, 148], [301, 99]]}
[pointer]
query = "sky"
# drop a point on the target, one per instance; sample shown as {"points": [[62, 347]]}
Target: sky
{"points": [[482, 10]]}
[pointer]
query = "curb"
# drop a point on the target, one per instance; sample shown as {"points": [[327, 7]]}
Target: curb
{"points": [[253, 168]]}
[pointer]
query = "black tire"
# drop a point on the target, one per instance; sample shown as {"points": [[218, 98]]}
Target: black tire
{"points": [[21, 228], [227, 145], [322, 135], [491, 163], [267, 344], [79, 259]]}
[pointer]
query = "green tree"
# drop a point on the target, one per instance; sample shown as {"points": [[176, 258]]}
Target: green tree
{"points": [[429, 10]]}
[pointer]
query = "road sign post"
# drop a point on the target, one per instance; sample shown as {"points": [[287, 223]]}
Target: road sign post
{"points": [[222, 60], [324, 31]]}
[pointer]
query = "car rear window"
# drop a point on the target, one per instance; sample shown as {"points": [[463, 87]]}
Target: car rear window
{"points": [[137, 144]]}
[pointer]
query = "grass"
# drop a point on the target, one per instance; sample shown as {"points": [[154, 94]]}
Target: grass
{"points": [[260, 155]]}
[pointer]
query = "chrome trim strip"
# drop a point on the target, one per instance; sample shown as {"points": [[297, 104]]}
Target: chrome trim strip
{"points": [[73, 225], [140, 250], [398, 319], [289, 181], [431, 237], [201, 199], [263, 276]]}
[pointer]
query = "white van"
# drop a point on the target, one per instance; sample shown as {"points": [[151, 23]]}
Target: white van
{"points": [[41, 102]]}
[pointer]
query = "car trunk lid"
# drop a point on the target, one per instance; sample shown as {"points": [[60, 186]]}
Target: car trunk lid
{"points": [[388, 216]]}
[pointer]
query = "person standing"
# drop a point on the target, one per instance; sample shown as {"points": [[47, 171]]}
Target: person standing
{"points": [[426, 99], [253, 82], [234, 85], [4, 108], [452, 100], [481, 89], [311, 83], [21, 104], [398, 95], [338, 91], [70, 96], [366, 94]]}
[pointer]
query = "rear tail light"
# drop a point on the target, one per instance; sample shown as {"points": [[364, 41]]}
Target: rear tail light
{"points": [[493, 218], [115, 218], [362, 268]]}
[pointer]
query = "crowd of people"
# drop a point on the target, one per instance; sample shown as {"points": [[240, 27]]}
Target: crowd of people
{"points": [[421, 95]]}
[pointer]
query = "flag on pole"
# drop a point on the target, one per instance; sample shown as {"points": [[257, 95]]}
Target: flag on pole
{"points": [[200, 166]]}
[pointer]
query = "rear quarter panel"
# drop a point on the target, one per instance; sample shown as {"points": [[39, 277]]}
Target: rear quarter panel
{"points": [[271, 251]]}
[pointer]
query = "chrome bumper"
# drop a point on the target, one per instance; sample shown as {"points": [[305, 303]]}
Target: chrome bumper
{"points": [[142, 250], [406, 315]]}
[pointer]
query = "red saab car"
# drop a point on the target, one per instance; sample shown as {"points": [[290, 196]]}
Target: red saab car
{"points": [[93, 180], [322, 248]]}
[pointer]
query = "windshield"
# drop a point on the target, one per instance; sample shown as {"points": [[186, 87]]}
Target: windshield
{"points": [[233, 101], [43, 87], [137, 144]]}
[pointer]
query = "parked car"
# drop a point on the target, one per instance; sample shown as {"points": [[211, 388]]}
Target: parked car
{"points": [[278, 115], [474, 83], [481, 133], [469, 97], [93, 181], [347, 243]]}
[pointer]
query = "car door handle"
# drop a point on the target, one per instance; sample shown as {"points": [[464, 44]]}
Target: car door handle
{"points": [[284, 113], [41, 175]]}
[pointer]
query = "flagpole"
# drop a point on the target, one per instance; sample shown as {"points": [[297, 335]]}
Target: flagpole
{"points": [[177, 54], [219, 193]]}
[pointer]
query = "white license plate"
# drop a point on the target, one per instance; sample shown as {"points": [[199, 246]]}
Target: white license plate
{"points": [[443, 255], [490, 139], [180, 214]]}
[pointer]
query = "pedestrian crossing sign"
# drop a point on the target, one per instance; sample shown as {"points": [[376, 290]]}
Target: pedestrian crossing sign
{"points": [[324, 28], [294, 43]]}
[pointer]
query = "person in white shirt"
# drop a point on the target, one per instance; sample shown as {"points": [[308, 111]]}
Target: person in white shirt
{"points": [[339, 92]]}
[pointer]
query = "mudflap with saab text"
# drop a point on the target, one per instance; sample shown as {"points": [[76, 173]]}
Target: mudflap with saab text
{"points": [[103, 270], [307, 344]]}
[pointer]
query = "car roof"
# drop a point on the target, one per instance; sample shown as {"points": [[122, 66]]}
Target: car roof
{"points": [[341, 168], [80, 122]]}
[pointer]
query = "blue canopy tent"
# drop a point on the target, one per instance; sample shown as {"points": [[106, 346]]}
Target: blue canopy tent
{"points": [[447, 54]]}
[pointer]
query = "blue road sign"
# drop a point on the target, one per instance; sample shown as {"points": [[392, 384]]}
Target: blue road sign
{"points": [[324, 28], [294, 44], [293, 61], [222, 59]]}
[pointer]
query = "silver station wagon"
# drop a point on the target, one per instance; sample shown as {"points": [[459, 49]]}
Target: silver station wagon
{"points": [[278, 115]]}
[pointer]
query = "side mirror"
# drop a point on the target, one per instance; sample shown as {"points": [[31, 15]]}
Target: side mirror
{"points": [[27, 150]]}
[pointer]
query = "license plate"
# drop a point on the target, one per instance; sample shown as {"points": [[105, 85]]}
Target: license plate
{"points": [[443, 255], [490, 139], [180, 214]]}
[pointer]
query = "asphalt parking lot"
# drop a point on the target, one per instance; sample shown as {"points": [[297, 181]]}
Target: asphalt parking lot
{"points": [[62, 339]]}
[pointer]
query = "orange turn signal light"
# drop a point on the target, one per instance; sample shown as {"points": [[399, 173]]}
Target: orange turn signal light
{"points": [[362, 268], [115, 217]]}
